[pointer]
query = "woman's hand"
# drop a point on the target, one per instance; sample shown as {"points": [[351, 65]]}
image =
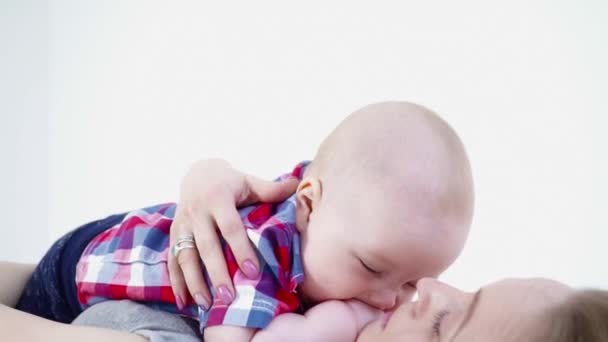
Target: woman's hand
{"points": [[211, 191]]}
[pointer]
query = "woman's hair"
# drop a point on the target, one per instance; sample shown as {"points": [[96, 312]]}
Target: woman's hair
{"points": [[581, 318]]}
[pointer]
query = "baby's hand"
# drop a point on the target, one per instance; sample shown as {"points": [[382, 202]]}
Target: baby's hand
{"points": [[363, 313], [329, 321]]}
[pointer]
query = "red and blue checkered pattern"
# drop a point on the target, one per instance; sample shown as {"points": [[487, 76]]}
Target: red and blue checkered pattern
{"points": [[129, 261]]}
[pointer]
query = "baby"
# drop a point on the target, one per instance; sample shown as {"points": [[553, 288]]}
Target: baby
{"points": [[387, 200]]}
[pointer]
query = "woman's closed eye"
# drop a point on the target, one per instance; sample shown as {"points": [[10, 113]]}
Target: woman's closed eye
{"points": [[437, 320]]}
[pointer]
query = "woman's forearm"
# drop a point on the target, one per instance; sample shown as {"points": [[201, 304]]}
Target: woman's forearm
{"points": [[20, 326], [14, 276]]}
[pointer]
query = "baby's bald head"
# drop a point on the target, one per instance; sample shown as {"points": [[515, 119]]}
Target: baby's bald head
{"points": [[388, 200], [398, 149]]}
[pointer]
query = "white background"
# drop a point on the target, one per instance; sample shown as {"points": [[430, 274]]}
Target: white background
{"points": [[104, 105]]}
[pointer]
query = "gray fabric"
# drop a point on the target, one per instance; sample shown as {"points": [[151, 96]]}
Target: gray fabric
{"points": [[125, 315]]}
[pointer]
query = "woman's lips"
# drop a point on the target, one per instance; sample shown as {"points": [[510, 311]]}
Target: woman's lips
{"points": [[387, 317], [409, 308]]}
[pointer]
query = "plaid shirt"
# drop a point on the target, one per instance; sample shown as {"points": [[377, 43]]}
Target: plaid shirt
{"points": [[129, 261]]}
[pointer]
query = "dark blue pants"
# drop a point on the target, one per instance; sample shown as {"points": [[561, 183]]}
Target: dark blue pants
{"points": [[51, 291]]}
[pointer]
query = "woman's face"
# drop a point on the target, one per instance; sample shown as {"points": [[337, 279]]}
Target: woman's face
{"points": [[508, 310]]}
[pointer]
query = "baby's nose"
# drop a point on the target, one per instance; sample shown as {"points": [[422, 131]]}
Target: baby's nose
{"points": [[383, 301]]}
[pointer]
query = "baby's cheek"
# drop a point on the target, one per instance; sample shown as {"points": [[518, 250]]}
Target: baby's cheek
{"points": [[347, 285], [335, 284], [319, 282]]}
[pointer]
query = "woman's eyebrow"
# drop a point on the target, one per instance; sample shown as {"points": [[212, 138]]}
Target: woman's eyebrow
{"points": [[470, 311]]}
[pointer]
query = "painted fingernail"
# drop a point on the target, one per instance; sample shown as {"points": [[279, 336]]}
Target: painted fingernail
{"points": [[201, 301], [179, 302], [224, 294], [249, 269]]}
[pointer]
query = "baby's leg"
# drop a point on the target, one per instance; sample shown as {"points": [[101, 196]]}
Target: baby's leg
{"points": [[14, 276], [50, 292]]}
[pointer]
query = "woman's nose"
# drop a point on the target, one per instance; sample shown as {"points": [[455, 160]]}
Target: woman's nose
{"points": [[433, 294], [425, 283], [406, 293]]}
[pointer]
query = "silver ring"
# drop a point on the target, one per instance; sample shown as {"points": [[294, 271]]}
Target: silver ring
{"points": [[185, 238], [185, 241]]}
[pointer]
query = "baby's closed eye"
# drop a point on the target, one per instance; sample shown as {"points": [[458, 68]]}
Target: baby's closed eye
{"points": [[368, 267]]}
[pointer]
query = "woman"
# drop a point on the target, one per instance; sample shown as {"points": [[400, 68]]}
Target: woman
{"points": [[543, 309], [507, 310], [510, 310]]}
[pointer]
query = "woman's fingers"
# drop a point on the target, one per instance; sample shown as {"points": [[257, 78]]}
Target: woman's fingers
{"points": [[229, 223], [185, 270], [267, 191], [178, 283], [212, 256], [192, 270], [231, 226], [210, 193]]}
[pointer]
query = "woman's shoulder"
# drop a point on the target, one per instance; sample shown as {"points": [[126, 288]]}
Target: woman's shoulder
{"points": [[129, 316]]}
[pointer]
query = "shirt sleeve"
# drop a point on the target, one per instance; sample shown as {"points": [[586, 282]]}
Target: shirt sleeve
{"points": [[253, 307], [128, 316], [258, 301]]}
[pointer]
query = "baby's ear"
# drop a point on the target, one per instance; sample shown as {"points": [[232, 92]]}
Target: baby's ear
{"points": [[308, 196]]}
